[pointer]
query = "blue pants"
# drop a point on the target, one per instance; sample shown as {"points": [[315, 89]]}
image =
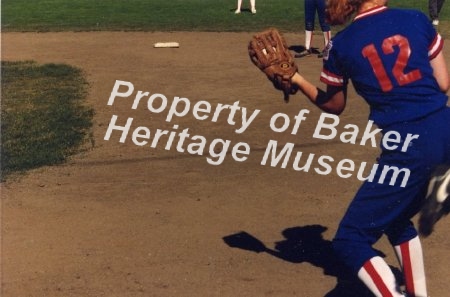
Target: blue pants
{"points": [[311, 7], [434, 8], [379, 208]]}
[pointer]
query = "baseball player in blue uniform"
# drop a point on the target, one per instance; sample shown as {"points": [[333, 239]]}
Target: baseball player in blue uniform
{"points": [[394, 59], [311, 8]]}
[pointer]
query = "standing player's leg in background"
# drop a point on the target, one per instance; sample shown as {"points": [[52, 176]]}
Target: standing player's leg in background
{"points": [[440, 4], [310, 13], [239, 4], [253, 6], [434, 9], [321, 6]]}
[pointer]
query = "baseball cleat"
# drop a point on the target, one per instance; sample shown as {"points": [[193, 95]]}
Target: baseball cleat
{"points": [[237, 11], [437, 202], [305, 53]]}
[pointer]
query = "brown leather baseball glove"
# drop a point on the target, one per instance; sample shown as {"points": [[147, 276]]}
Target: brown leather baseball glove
{"points": [[268, 50]]}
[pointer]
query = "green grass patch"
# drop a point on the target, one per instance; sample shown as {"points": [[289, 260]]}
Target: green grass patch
{"points": [[162, 15], [44, 119]]}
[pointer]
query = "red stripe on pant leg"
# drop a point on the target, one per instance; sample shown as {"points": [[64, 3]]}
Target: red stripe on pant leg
{"points": [[381, 286], [407, 268]]}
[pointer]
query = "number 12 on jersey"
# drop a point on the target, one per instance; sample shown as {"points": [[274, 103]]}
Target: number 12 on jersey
{"points": [[398, 70]]}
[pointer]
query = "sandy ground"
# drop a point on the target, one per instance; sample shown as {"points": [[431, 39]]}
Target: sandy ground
{"points": [[128, 220]]}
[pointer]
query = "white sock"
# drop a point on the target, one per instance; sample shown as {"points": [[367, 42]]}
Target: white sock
{"points": [[411, 258], [378, 277], [239, 4], [326, 37], [252, 3], [308, 39]]}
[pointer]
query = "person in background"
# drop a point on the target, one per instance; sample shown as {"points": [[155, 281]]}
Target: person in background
{"points": [[252, 5], [434, 9], [311, 8]]}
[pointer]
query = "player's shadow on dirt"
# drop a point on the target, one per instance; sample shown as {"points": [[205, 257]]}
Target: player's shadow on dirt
{"points": [[300, 48], [306, 244]]}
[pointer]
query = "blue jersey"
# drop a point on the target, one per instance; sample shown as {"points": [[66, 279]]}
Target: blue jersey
{"points": [[389, 68]]}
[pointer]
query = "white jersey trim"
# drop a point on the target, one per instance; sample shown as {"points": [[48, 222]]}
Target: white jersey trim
{"points": [[436, 46], [370, 12], [331, 79]]}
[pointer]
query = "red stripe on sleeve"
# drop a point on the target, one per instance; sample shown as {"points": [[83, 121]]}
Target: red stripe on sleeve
{"points": [[433, 50]]}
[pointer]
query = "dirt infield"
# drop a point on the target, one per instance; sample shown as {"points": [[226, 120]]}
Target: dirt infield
{"points": [[128, 220]]}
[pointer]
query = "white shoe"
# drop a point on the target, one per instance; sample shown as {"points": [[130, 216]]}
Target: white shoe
{"points": [[437, 202], [253, 10], [435, 22], [237, 11]]}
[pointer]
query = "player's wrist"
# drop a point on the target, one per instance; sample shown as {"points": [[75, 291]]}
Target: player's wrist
{"points": [[297, 79]]}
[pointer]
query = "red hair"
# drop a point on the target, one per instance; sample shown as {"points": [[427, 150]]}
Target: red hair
{"points": [[338, 12]]}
